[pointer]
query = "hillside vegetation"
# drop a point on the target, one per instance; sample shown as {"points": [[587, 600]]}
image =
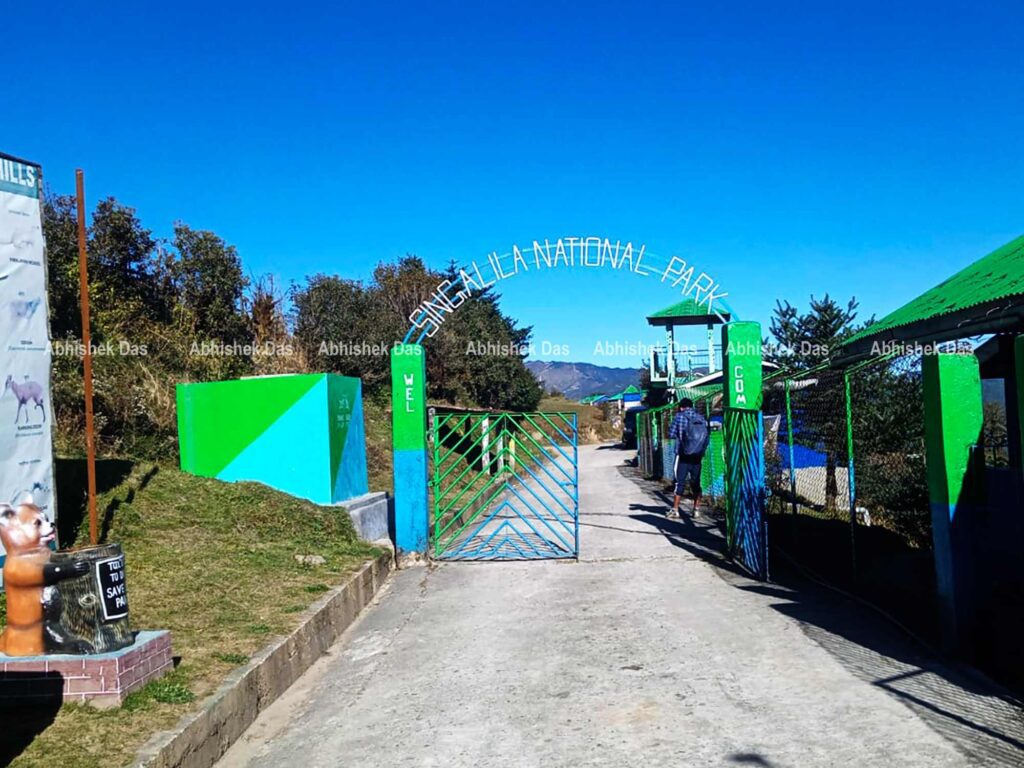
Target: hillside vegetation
{"points": [[182, 309]]}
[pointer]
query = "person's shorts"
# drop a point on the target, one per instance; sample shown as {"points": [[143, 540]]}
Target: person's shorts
{"points": [[687, 469]]}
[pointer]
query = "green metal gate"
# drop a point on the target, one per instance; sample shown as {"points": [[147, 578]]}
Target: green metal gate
{"points": [[505, 486]]}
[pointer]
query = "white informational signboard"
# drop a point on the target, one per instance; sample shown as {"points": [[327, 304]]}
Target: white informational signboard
{"points": [[26, 446]]}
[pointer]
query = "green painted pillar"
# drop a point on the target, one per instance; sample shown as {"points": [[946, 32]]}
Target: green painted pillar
{"points": [[746, 531], [409, 440], [953, 427]]}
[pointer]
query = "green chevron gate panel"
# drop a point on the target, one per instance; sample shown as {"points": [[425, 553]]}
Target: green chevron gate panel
{"points": [[300, 434]]}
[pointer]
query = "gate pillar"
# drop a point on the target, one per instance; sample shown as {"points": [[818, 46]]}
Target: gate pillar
{"points": [[953, 419], [746, 530], [409, 441]]}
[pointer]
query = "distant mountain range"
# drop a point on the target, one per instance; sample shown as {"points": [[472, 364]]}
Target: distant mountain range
{"points": [[576, 380]]}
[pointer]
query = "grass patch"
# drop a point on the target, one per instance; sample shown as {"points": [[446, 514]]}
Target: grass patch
{"points": [[590, 420], [379, 460], [237, 659], [215, 563]]}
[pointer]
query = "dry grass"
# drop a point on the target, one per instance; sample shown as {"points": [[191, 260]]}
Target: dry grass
{"points": [[215, 563], [592, 426], [379, 459]]}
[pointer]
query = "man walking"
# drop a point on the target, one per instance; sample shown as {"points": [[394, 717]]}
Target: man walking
{"points": [[690, 431]]}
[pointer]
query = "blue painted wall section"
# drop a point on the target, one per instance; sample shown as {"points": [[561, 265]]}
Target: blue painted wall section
{"points": [[409, 435]]}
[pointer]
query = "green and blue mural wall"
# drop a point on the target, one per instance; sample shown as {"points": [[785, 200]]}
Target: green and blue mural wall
{"points": [[300, 434]]}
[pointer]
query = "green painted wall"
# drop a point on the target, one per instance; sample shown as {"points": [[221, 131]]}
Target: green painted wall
{"points": [[953, 425], [302, 434], [218, 420], [953, 422]]}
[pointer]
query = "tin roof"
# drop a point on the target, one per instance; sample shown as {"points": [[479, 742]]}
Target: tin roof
{"points": [[686, 312], [984, 297]]}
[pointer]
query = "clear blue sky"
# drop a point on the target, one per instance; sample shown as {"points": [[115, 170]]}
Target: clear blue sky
{"points": [[788, 148]]}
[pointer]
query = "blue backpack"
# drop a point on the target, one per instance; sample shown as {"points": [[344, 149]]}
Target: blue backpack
{"points": [[693, 438]]}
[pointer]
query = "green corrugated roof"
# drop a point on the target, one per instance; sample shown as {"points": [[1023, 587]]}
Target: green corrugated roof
{"points": [[996, 276], [684, 308], [687, 312], [700, 393]]}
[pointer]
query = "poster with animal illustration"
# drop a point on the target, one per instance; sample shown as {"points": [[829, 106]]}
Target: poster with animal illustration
{"points": [[26, 447]]}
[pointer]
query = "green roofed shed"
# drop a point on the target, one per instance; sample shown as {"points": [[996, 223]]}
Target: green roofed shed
{"points": [[984, 297], [687, 312]]}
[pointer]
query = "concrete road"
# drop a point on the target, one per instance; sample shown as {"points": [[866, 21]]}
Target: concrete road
{"points": [[650, 651]]}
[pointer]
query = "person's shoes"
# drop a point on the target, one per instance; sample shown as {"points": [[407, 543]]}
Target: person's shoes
{"points": [[673, 514]]}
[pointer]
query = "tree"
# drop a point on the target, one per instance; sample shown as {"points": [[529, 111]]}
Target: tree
{"points": [[60, 229], [811, 338], [209, 285], [347, 327], [484, 352], [128, 276], [341, 327]]}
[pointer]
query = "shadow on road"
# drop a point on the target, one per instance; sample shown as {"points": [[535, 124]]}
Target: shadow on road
{"points": [[983, 720]]}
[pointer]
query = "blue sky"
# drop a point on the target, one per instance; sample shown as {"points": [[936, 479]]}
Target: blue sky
{"points": [[865, 149]]}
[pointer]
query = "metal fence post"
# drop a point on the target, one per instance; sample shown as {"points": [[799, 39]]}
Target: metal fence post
{"points": [[789, 442], [851, 481]]}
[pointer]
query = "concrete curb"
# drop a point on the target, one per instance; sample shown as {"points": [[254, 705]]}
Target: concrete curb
{"points": [[202, 737]]}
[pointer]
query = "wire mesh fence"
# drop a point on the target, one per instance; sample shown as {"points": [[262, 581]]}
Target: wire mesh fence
{"points": [[656, 451], [845, 471]]}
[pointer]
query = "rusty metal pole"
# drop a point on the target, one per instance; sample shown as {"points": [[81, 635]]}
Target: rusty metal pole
{"points": [[83, 284]]}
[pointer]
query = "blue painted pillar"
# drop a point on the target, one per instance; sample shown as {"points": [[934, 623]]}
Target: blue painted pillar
{"points": [[746, 529], [409, 438], [953, 425]]}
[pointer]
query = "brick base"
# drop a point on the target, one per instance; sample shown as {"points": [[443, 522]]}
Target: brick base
{"points": [[103, 680]]}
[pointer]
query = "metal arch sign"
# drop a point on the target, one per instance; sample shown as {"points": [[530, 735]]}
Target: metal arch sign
{"points": [[573, 252]]}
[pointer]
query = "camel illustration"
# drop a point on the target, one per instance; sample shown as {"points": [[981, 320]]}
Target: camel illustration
{"points": [[30, 390]]}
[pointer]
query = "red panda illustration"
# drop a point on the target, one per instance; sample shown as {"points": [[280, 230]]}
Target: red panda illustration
{"points": [[25, 533]]}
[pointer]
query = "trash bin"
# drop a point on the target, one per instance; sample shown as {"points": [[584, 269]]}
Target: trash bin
{"points": [[89, 614]]}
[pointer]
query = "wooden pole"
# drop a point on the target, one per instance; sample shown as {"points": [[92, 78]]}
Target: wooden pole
{"points": [[83, 283]]}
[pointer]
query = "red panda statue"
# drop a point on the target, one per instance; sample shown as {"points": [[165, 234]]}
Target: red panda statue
{"points": [[28, 571]]}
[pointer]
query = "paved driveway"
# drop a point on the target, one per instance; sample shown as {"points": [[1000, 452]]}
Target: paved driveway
{"points": [[647, 652]]}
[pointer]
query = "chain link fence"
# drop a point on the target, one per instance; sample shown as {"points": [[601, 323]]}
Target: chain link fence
{"points": [[656, 452], [845, 471]]}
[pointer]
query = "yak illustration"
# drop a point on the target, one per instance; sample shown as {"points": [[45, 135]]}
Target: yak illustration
{"points": [[29, 390]]}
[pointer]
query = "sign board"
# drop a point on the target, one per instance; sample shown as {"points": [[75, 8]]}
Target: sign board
{"points": [[741, 358], [112, 587], [26, 446]]}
